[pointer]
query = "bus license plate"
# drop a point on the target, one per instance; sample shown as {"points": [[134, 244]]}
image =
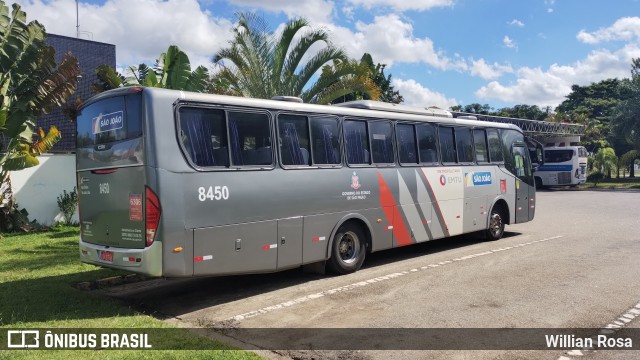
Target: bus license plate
{"points": [[105, 256]]}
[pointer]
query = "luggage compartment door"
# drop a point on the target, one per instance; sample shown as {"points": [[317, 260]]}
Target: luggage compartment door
{"points": [[235, 249]]}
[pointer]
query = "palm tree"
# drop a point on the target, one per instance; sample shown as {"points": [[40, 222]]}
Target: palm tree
{"points": [[625, 121], [340, 79], [605, 161], [261, 64]]}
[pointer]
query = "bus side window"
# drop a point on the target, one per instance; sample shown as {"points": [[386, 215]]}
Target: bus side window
{"points": [[205, 136], [249, 138], [427, 143], [407, 149], [325, 141], [464, 145], [293, 131], [447, 145], [495, 146], [480, 142], [381, 134], [356, 142]]}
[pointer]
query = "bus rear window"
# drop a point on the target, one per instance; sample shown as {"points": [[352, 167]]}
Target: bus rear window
{"points": [[558, 156], [109, 120]]}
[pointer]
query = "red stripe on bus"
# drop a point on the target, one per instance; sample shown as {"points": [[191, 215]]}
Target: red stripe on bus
{"points": [[439, 215], [198, 258], [400, 231]]}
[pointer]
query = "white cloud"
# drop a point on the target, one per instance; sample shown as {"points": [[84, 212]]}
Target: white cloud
{"points": [[549, 87], [389, 39], [549, 4], [626, 29], [417, 95], [508, 42], [403, 5], [489, 71], [348, 12], [313, 10], [143, 31], [516, 22]]}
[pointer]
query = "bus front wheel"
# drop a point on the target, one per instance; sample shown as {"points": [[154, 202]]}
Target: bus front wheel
{"points": [[496, 224], [348, 249], [538, 183]]}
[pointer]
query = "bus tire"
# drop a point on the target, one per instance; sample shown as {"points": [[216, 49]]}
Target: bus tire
{"points": [[496, 224], [348, 249], [538, 183]]}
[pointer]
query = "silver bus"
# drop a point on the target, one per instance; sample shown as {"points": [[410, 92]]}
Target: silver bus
{"points": [[180, 184]]}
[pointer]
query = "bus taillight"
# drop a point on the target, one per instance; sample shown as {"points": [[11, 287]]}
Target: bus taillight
{"points": [[152, 215]]}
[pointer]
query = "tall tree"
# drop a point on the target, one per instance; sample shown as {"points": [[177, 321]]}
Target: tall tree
{"points": [[475, 108], [261, 64], [625, 121], [523, 111], [31, 83], [596, 100], [592, 105], [380, 79]]}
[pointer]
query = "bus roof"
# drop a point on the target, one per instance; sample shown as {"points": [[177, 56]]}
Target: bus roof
{"points": [[364, 108]]}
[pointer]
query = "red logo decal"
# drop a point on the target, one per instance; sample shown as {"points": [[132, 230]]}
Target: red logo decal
{"points": [[443, 180], [355, 184]]}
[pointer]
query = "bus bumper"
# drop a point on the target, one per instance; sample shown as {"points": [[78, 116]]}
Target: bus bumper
{"points": [[147, 261]]}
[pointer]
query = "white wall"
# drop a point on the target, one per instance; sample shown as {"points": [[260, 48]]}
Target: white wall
{"points": [[37, 188]]}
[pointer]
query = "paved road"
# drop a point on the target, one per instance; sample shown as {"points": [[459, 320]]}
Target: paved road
{"points": [[577, 265]]}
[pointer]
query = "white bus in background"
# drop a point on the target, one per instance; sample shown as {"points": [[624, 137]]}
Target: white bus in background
{"points": [[563, 166]]}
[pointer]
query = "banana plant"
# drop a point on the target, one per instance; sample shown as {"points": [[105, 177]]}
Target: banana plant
{"points": [[172, 70], [31, 84]]}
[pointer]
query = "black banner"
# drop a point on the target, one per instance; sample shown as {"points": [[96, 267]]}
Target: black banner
{"points": [[324, 339]]}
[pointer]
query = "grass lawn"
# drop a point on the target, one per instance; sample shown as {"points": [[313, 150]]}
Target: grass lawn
{"points": [[614, 183], [37, 274]]}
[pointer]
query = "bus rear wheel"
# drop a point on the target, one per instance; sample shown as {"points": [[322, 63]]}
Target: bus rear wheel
{"points": [[348, 249], [496, 224]]}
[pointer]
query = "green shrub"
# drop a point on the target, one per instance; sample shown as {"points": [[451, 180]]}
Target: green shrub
{"points": [[67, 203], [595, 177]]}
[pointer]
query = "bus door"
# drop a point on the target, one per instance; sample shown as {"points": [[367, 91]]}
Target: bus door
{"points": [[525, 190]]}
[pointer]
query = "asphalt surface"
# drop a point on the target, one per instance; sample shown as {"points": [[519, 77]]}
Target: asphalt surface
{"points": [[577, 265]]}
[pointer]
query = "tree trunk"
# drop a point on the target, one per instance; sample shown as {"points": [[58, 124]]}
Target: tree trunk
{"points": [[632, 170]]}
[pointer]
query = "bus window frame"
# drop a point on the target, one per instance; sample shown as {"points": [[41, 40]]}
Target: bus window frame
{"points": [[455, 149], [415, 138], [310, 118], [277, 138], [436, 129], [393, 143], [486, 143], [344, 143], [500, 145], [225, 110], [473, 148]]}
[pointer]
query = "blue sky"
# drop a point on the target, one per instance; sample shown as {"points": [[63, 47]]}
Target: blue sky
{"points": [[439, 52]]}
